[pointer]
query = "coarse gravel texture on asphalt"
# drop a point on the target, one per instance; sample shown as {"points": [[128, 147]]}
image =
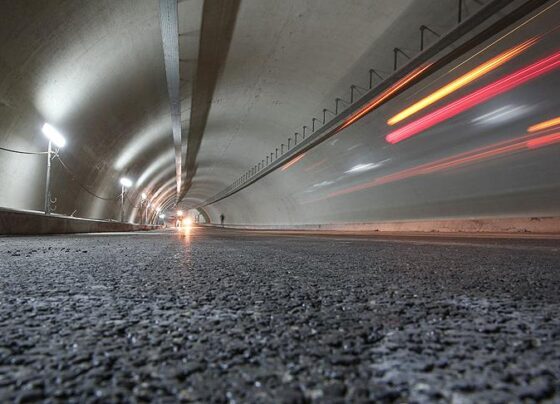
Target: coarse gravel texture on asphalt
{"points": [[215, 315]]}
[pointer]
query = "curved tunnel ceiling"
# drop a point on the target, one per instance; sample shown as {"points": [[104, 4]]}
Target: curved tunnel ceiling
{"points": [[251, 73]]}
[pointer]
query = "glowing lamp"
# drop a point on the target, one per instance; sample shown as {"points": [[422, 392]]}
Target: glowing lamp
{"points": [[53, 135], [126, 182]]}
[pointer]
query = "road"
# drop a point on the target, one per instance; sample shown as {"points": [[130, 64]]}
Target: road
{"points": [[237, 316]]}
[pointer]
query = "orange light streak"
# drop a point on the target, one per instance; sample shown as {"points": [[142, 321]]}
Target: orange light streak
{"points": [[383, 96], [292, 162], [478, 97], [544, 125], [462, 81]]}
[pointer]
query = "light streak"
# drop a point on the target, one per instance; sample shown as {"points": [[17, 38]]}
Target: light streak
{"points": [[484, 94], [505, 36], [462, 81], [527, 142], [502, 114], [315, 165], [544, 125], [359, 168], [292, 162], [543, 141], [383, 96]]}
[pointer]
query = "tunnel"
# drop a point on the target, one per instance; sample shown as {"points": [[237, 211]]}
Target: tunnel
{"points": [[298, 201]]}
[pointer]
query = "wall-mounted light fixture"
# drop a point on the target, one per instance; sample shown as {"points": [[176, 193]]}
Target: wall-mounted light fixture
{"points": [[125, 183], [58, 140]]}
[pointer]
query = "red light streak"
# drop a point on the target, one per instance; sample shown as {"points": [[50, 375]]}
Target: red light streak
{"points": [[484, 153], [484, 94], [543, 141], [462, 81], [383, 97]]}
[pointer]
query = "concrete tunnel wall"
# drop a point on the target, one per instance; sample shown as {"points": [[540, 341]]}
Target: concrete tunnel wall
{"points": [[95, 70]]}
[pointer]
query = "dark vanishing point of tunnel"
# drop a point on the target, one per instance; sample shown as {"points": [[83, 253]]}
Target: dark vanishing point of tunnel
{"points": [[266, 201]]}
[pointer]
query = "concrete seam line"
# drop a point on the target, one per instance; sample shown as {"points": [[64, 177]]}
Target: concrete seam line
{"points": [[170, 40]]}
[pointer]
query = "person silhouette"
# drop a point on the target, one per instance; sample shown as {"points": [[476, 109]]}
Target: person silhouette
{"points": [[222, 218]]}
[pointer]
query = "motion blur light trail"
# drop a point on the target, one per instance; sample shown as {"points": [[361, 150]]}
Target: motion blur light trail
{"points": [[462, 81], [315, 165], [484, 94], [544, 125], [383, 96], [497, 41], [543, 141], [531, 141], [370, 106], [292, 162]]}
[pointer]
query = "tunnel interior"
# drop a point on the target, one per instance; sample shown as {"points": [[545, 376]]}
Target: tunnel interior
{"points": [[223, 103], [262, 201]]}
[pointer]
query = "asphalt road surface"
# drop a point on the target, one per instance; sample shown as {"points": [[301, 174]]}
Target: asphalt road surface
{"points": [[230, 316]]}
